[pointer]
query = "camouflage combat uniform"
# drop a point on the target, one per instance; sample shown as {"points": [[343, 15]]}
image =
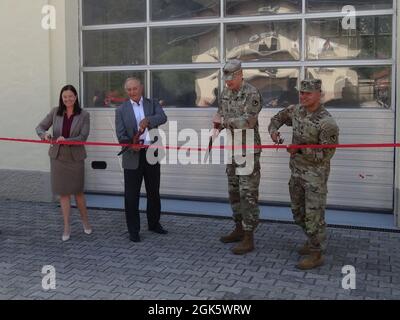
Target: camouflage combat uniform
{"points": [[240, 111], [309, 167]]}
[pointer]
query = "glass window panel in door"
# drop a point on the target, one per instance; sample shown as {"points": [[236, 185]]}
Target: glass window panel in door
{"points": [[269, 41], [261, 7], [106, 89], [98, 12], [278, 86], [185, 44], [186, 88], [184, 9], [355, 87], [114, 47], [337, 5], [372, 39]]}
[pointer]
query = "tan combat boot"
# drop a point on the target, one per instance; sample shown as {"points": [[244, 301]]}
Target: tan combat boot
{"points": [[235, 236], [305, 249], [246, 245], [313, 260]]}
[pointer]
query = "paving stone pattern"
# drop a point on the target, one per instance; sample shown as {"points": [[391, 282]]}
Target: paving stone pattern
{"points": [[188, 263]]}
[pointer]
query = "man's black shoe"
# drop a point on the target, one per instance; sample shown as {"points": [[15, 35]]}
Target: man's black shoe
{"points": [[134, 237], [159, 229]]}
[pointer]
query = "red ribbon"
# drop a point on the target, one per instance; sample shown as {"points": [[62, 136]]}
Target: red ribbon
{"points": [[310, 146]]}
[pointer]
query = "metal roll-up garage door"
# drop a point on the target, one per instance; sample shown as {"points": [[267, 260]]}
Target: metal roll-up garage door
{"points": [[360, 178]]}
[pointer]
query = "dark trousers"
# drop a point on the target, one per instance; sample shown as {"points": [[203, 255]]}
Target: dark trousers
{"points": [[133, 182]]}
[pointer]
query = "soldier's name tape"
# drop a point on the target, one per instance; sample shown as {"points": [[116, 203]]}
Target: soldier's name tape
{"points": [[272, 146]]}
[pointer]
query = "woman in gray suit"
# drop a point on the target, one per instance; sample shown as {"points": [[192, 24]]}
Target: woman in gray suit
{"points": [[70, 123]]}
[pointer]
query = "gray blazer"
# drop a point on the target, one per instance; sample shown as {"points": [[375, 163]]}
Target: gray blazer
{"points": [[126, 127], [79, 132]]}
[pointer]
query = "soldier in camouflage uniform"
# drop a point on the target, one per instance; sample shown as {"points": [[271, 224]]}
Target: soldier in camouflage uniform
{"points": [[239, 106], [312, 124]]}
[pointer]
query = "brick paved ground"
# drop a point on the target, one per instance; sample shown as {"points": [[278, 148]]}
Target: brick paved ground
{"points": [[188, 263]]}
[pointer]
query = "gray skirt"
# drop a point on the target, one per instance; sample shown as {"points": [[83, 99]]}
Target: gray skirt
{"points": [[67, 175]]}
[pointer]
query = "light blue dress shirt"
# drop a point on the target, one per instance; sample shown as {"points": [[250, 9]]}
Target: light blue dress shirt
{"points": [[139, 115]]}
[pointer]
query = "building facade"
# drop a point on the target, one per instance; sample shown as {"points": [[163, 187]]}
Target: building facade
{"points": [[178, 49]]}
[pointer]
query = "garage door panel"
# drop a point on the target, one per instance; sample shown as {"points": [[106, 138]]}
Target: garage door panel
{"points": [[359, 177]]}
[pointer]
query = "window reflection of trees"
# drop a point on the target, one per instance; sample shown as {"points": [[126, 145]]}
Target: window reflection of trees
{"points": [[354, 87]]}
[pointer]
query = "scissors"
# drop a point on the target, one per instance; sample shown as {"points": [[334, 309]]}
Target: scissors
{"points": [[216, 131], [280, 141]]}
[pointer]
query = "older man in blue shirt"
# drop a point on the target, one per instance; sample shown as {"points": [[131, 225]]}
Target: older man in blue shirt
{"points": [[134, 119]]}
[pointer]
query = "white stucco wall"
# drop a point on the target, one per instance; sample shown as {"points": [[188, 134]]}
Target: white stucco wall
{"points": [[35, 64], [33, 70], [24, 82]]}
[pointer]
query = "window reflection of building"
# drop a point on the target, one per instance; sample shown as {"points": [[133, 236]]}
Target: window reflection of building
{"points": [[262, 7], [175, 44], [186, 88], [207, 90], [337, 5], [382, 92], [354, 87], [263, 41], [348, 95], [274, 84], [290, 95], [105, 89], [183, 9], [333, 81], [175, 88], [326, 39], [194, 44]]}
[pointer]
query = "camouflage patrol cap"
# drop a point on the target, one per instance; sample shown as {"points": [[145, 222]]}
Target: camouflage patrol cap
{"points": [[231, 66], [310, 85]]}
